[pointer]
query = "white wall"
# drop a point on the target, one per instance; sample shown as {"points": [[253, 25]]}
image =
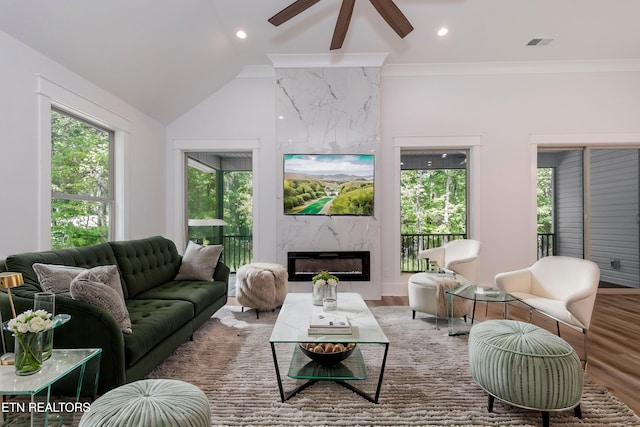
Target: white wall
{"points": [[23, 208], [239, 117], [502, 114]]}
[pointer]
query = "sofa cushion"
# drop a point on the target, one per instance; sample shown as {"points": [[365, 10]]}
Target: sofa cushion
{"points": [[146, 263], [199, 262], [200, 294], [101, 286], [152, 321]]}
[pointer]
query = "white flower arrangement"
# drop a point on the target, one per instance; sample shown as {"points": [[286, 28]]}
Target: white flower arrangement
{"points": [[324, 278], [31, 322]]}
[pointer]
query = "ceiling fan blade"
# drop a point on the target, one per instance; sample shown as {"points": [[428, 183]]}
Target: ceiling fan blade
{"points": [[290, 11], [394, 16], [342, 24]]}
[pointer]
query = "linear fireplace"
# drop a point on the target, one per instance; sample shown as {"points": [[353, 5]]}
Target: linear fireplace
{"points": [[348, 266]]}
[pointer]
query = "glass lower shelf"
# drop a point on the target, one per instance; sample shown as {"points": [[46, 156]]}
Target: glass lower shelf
{"points": [[352, 368]]}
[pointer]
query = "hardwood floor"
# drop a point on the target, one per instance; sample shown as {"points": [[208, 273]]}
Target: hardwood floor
{"points": [[613, 343]]}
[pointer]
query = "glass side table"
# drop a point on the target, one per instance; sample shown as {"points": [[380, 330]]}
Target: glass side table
{"points": [[475, 294], [60, 364]]}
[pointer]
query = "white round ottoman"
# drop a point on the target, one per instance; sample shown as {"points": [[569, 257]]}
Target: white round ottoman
{"points": [[422, 290], [525, 366], [150, 403], [261, 285]]}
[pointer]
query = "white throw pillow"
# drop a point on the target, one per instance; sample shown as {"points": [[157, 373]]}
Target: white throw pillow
{"points": [[199, 262], [101, 286]]}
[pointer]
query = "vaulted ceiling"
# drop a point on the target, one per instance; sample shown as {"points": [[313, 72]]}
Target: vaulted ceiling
{"points": [[165, 56]]}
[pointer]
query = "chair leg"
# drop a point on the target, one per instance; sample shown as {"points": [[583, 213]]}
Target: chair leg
{"points": [[545, 419], [257, 313], [414, 314], [490, 403], [586, 355], [577, 411]]}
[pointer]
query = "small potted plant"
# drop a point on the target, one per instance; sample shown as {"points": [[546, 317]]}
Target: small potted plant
{"points": [[325, 285]]}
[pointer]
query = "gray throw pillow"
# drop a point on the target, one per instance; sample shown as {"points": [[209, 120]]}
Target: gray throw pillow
{"points": [[56, 278], [199, 262], [101, 286]]}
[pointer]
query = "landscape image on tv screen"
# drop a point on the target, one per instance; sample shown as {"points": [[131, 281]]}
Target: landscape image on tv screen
{"points": [[328, 184]]}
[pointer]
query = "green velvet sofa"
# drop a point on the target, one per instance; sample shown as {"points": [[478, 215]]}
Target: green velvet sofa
{"points": [[164, 312]]}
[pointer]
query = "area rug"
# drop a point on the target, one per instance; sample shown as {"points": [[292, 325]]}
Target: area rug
{"points": [[426, 380]]}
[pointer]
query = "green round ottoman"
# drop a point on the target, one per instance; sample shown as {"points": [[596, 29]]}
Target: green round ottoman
{"points": [[525, 366], [150, 403]]}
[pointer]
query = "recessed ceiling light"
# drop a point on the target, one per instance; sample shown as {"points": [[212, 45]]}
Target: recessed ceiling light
{"points": [[241, 34], [443, 31]]}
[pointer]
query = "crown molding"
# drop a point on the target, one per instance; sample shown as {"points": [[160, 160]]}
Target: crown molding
{"points": [[530, 67], [327, 60], [440, 69]]}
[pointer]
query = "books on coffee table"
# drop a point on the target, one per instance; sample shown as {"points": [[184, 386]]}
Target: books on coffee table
{"points": [[329, 324]]}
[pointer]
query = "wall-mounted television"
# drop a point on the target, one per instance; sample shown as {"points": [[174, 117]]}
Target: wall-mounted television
{"points": [[328, 184]]}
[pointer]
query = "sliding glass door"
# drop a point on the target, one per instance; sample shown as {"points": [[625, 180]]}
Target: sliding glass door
{"points": [[588, 207], [614, 235]]}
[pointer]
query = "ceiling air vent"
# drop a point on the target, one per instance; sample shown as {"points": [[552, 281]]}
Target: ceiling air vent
{"points": [[539, 42]]}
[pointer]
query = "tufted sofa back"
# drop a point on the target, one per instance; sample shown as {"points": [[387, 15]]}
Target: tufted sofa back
{"points": [[145, 263], [85, 257]]}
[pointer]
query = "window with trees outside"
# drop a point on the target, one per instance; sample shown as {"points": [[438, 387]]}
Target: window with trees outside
{"points": [[82, 198], [219, 186], [433, 202]]}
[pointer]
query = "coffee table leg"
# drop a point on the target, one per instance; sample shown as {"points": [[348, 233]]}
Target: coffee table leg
{"points": [[275, 363], [384, 362], [363, 393]]}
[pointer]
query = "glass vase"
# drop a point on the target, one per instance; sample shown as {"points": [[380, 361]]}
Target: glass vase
{"points": [[46, 301], [28, 353], [318, 294], [330, 301]]}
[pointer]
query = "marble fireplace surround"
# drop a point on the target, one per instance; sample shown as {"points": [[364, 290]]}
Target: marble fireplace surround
{"points": [[332, 108]]}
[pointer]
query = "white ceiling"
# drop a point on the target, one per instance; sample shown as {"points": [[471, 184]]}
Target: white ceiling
{"points": [[165, 56]]}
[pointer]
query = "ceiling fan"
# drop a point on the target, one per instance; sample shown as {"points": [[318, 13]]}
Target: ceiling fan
{"points": [[386, 8]]}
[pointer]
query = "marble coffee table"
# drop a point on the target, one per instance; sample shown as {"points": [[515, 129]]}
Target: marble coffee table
{"points": [[291, 328]]}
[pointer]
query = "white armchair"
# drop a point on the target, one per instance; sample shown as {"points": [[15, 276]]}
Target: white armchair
{"points": [[459, 257], [563, 288]]}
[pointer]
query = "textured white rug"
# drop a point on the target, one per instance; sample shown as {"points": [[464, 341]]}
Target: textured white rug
{"points": [[426, 381]]}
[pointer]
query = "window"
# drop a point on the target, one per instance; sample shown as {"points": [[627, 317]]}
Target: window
{"points": [[82, 196], [219, 186], [546, 220], [433, 202]]}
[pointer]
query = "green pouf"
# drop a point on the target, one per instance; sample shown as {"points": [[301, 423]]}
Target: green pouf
{"points": [[150, 403], [526, 366]]}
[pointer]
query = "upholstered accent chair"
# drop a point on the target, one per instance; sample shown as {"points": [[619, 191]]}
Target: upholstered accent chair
{"points": [[459, 257], [560, 287]]}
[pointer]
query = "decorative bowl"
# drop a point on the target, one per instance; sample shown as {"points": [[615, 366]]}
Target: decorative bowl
{"points": [[329, 356]]}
